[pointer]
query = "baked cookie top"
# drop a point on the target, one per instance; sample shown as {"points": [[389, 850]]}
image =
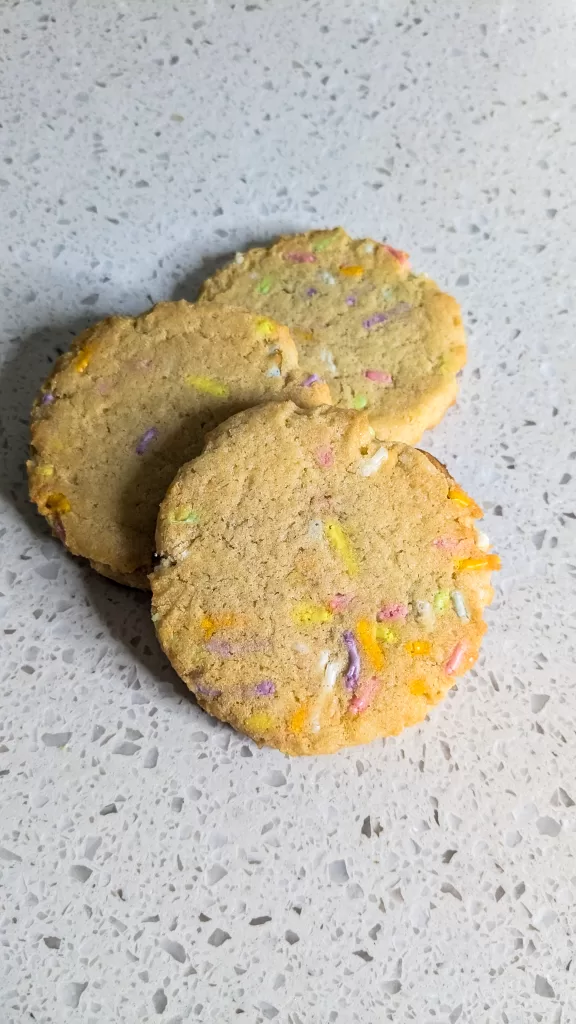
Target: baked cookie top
{"points": [[318, 588], [130, 403], [385, 339]]}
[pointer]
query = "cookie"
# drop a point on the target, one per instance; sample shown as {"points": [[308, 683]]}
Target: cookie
{"points": [[387, 340], [130, 403], [318, 588]]}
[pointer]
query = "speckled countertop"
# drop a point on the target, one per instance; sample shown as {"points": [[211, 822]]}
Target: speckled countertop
{"points": [[154, 865]]}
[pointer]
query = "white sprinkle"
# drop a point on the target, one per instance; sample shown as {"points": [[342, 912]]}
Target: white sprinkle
{"points": [[323, 659], [425, 613], [369, 247], [315, 529], [482, 540], [366, 467], [239, 257], [331, 673], [328, 277], [327, 357], [332, 670], [301, 648], [274, 371], [388, 293], [459, 605]]}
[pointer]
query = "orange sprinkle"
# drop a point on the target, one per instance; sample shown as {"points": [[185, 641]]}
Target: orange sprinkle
{"points": [[83, 358], [479, 562], [58, 504], [419, 688], [210, 625], [351, 270], [366, 633], [461, 498], [298, 720], [418, 648]]}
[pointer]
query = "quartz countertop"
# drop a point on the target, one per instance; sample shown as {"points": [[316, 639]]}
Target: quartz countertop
{"points": [[154, 865]]}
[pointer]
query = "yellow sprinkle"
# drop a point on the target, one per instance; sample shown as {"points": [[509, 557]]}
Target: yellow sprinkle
{"points": [[352, 270], [366, 633], [461, 498], [389, 636], [210, 625], [341, 545], [45, 470], [259, 722], [298, 720], [419, 688], [57, 503], [418, 648], [265, 326], [478, 562], [83, 358], [305, 614], [207, 386]]}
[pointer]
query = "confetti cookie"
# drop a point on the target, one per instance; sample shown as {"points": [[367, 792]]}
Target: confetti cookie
{"points": [[130, 403], [318, 588], [385, 339]]}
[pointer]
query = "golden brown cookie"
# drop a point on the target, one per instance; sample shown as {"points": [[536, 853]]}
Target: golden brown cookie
{"points": [[318, 588], [130, 403], [386, 340]]}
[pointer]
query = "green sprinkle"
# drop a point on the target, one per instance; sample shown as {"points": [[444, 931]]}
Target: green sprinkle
{"points": [[265, 285], [185, 515], [359, 401], [441, 601], [322, 244]]}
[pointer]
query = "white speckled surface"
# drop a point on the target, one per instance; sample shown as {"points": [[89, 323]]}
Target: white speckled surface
{"points": [[155, 866]]}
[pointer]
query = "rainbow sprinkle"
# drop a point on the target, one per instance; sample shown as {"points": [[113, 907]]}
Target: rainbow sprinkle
{"points": [[311, 292], [479, 562], [58, 504], [340, 602], [325, 456], [322, 244], [207, 691], [359, 401], [366, 632], [386, 634], [398, 254], [364, 698], [425, 614], [209, 625], [353, 671], [350, 300], [456, 659], [300, 257], [265, 689], [259, 722], [374, 320], [185, 515], [461, 498], [459, 605], [313, 378], [47, 398], [341, 545], [147, 437], [305, 614], [441, 601], [264, 286], [207, 386], [371, 465], [351, 270], [379, 377], [221, 648], [418, 648]]}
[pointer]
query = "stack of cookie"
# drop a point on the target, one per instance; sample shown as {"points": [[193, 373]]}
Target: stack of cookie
{"points": [[318, 582]]}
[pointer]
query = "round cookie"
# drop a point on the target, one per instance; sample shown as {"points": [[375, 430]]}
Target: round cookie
{"points": [[318, 588], [384, 338], [130, 403]]}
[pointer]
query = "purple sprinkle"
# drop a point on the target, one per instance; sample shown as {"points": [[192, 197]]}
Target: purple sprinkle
{"points": [[378, 318], [351, 301], [220, 647], [265, 689], [207, 691], [312, 379], [47, 398], [149, 435], [311, 292], [353, 671]]}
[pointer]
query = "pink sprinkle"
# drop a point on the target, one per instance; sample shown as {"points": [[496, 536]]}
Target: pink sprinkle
{"points": [[312, 379], [325, 456], [445, 543], [147, 437], [47, 398], [300, 257], [402, 257], [350, 300], [379, 376], [365, 697], [340, 602], [456, 658], [392, 611], [265, 689]]}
